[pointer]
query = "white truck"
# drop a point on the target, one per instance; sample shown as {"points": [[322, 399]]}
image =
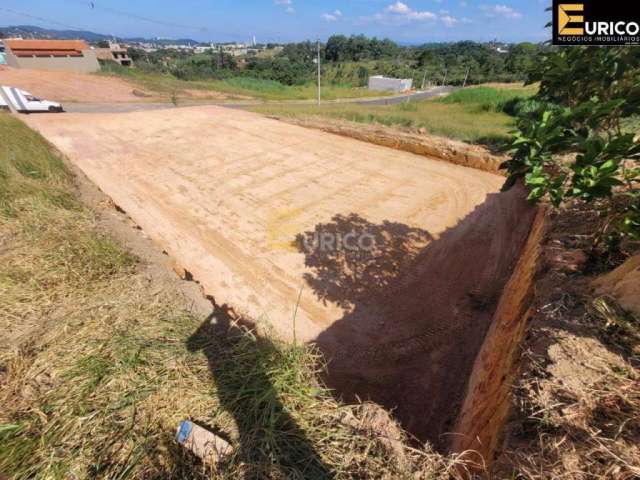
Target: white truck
{"points": [[17, 100]]}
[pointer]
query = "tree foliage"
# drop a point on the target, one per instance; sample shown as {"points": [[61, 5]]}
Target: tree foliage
{"points": [[576, 144], [351, 60]]}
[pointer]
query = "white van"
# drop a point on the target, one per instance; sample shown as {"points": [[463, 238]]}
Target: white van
{"points": [[12, 98]]}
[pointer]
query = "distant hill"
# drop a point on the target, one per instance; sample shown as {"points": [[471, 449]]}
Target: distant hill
{"points": [[31, 31]]}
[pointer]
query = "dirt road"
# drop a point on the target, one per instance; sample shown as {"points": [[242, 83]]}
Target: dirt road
{"points": [[392, 262]]}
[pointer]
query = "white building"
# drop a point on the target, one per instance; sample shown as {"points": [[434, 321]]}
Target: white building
{"points": [[379, 82]]}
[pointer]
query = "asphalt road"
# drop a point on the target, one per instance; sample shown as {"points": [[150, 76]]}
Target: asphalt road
{"points": [[434, 92], [119, 107]]}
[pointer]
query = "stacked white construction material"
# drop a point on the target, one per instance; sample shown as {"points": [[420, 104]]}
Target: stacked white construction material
{"points": [[379, 82]]}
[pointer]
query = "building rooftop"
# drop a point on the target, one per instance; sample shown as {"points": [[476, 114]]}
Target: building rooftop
{"points": [[46, 48]]}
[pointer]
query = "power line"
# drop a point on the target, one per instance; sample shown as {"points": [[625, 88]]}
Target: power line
{"points": [[40, 19], [135, 16], [93, 5]]}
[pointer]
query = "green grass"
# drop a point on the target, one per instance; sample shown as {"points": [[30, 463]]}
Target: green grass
{"points": [[235, 88], [471, 115], [26, 164], [485, 98], [99, 364]]}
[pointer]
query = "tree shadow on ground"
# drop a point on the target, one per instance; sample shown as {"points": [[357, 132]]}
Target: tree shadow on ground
{"points": [[270, 442], [415, 308], [351, 256]]}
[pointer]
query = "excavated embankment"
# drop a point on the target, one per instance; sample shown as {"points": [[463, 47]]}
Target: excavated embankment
{"points": [[232, 197], [487, 400]]}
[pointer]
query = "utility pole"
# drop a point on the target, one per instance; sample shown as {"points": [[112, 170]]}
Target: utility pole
{"points": [[466, 75], [444, 79], [318, 72], [424, 78]]}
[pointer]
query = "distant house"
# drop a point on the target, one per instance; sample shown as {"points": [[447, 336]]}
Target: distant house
{"points": [[379, 82], [115, 53], [72, 55]]}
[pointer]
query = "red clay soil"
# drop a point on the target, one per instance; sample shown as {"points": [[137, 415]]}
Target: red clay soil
{"points": [[63, 86], [488, 399], [232, 196], [409, 342], [432, 146]]}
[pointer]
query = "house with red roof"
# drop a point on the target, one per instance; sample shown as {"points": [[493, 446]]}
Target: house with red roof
{"points": [[72, 55]]}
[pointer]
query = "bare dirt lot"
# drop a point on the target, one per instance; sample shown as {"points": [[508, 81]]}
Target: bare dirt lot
{"points": [[392, 262], [93, 89], [69, 86]]}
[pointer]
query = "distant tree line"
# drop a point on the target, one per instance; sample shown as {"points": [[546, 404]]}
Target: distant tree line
{"points": [[351, 60]]}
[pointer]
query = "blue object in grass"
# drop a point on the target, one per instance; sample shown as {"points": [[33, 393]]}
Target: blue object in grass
{"points": [[184, 431]]}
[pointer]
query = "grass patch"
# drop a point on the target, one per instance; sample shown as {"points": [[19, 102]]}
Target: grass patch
{"points": [[98, 364], [449, 120], [235, 87], [589, 428], [471, 115], [487, 99]]}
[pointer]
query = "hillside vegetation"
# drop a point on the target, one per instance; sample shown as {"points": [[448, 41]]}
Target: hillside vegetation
{"points": [[288, 72], [241, 88], [351, 60]]}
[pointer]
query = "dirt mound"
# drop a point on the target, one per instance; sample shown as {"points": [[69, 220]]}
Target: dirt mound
{"points": [[452, 151], [69, 86], [576, 402], [194, 94], [623, 284]]}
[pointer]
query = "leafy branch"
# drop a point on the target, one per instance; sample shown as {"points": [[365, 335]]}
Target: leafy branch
{"points": [[574, 146]]}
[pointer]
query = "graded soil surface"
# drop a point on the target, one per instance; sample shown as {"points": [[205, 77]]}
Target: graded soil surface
{"points": [[62, 86], [104, 91], [392, 262]]}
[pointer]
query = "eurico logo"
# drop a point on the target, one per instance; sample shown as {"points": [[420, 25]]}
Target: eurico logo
{"points": [[593, 22], [611, 28], [567, 15]]}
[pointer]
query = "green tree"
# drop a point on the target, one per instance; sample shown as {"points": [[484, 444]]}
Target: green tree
{"points": [[521, 58], [576, 147], [336, 48]]}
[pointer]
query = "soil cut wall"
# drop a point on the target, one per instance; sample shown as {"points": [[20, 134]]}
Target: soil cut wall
{"points": [[487, 401]]}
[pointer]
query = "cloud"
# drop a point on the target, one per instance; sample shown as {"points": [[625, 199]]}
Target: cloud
{"points": [[399, 13], [288, 4], [332, 17], [500, 11], [398, 8], [448, 20], [402, 11]]}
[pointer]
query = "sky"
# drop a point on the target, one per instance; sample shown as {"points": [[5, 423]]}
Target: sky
{"points": [[407, 21]]}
